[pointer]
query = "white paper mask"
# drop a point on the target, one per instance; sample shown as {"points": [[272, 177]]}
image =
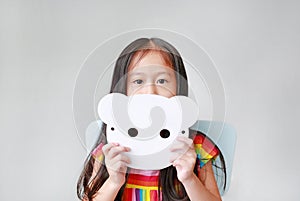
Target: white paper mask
{"points": [[148, 124]]}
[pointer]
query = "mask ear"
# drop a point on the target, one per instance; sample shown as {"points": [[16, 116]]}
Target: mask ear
{"points": [[189, 111], [105, 108], [109, 105]]}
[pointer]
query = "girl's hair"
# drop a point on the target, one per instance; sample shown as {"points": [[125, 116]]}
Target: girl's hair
{"points": [[87, 187]]}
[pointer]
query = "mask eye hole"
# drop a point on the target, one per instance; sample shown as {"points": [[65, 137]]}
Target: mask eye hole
{"points": [[133, 132], [164, 133]]}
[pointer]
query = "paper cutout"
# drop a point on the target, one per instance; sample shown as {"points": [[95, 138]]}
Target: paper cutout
{"points": [[148, 124]]}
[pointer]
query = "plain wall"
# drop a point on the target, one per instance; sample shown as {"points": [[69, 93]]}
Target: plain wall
{"points": [[255, 45]]}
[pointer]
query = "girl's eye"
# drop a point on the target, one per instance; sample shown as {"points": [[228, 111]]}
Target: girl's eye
{"points": [[139, 81], [161, 81]]}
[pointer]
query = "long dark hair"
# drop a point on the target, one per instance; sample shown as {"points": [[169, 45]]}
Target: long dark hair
{"points": [[167, 176]]}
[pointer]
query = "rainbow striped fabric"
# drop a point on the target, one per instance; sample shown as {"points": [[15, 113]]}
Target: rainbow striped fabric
{"points": [[205, 149], [143, 185]]}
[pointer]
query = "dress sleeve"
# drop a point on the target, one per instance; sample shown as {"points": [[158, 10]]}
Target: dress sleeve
{"points": [[97, 152], [206, 150]]}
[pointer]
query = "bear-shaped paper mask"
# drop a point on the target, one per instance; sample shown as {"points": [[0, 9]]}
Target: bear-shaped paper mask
{"points": [[148, 124]]}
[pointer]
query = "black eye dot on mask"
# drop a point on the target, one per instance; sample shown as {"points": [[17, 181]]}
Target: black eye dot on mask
{"points": [[164, 133], [183, 132], [112, 128], [133, 132]]}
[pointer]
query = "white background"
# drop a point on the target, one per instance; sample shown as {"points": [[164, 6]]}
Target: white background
{"points": [[255, 45]]}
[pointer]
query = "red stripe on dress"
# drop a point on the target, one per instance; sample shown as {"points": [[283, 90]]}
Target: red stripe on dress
{"points": [[142, 180]]}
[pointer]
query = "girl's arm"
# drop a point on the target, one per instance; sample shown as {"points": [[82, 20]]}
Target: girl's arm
{"points": [[116, 164], [107, 192], [203, 188]]}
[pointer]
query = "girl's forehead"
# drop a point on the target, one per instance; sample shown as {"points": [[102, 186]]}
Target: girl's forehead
{"points": [[152, 58], [151, 69]]}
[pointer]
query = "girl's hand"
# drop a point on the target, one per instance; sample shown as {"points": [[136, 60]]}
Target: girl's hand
{"points": [[116, 162], [183, 158]]}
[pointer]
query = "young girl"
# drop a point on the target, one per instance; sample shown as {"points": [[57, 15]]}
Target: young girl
{"points": [[151, 66]]}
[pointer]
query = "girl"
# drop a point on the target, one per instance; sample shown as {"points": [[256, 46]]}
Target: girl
{"points": [[151, 66]]}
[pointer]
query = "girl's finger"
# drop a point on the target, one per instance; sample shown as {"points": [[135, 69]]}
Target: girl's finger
{"points": [[122, 158], [177, 146], [114, 151], [181, 147], [188, 158], [119, 166], [179, 163], [189, 155], [174, 157], [111, 149], [107, 147], [183, 164], [187, 141]]}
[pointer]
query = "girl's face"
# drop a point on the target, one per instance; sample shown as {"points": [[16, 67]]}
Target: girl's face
{"points": [[151, 75]]}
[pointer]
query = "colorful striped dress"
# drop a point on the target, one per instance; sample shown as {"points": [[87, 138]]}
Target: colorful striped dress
{"points": [[142, 185]]}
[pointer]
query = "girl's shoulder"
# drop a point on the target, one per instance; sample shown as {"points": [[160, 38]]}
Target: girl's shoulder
{"points": [[205, 148]]}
